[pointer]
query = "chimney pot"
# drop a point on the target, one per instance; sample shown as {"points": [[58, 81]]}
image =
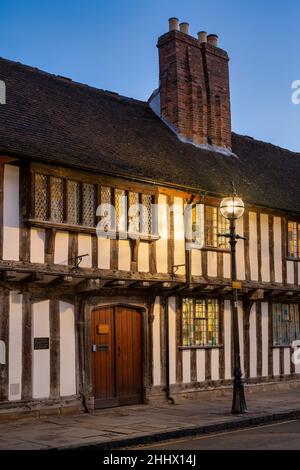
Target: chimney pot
{"points": [[173, 24], [184, 28], [213, 39], [202, 36]]}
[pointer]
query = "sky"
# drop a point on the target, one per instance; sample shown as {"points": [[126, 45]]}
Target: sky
{"points": [[112, 45]]}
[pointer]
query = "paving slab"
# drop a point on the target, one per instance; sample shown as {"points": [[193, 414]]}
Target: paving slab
{"points": [[136, 424]]}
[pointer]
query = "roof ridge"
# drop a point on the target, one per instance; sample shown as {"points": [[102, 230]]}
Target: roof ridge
{"points": [[70, 81], [263, 142]]}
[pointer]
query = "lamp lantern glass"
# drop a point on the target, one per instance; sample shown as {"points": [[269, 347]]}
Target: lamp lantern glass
{"points": [[232, 207]]}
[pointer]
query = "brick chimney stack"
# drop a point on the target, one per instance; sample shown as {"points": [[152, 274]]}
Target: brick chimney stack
{"points": [[194, 86]]}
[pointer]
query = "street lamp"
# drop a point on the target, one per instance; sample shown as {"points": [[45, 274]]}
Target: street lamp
{"points": [[232, 208]]}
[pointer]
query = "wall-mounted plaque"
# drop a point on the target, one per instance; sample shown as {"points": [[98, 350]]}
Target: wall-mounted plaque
{"points": [[41, 343], [103, 329]]}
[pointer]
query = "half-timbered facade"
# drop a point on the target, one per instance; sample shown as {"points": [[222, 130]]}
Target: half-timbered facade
{"points": [[139, 309]]}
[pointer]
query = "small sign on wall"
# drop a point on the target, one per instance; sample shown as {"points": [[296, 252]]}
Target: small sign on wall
{"points": [[41, 343], [103, 329]]}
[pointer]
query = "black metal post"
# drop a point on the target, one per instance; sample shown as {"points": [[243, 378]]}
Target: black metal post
{"points": [[238, 403]]}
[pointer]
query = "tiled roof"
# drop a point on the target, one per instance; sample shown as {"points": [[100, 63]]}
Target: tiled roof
{"points": [[55, 120]]}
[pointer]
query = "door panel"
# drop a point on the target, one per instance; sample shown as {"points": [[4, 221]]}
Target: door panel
{"points": [[103, 358], [128, 356], [117, 361]]}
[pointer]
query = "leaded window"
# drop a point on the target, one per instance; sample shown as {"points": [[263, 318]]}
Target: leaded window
{"points": [[73, 202], [214, 224], [60, 200], [41, 196], [56, 200], [286, 324], [200, 322], [293, 239], [88, 204]]}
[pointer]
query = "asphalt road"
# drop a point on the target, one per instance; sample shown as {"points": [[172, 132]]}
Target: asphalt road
{"points": [[277, 436]]}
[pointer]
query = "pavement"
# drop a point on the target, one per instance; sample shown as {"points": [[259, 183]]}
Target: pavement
{"points": [[146, 424]]}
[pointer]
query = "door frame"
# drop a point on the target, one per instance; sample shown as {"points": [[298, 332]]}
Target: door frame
{"points": [[94, 303]]}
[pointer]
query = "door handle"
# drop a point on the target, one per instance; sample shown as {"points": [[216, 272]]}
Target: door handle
{"points": [[119, 351]]}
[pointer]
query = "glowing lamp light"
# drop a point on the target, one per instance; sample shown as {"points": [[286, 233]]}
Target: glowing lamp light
{"points": [[232, 207]]}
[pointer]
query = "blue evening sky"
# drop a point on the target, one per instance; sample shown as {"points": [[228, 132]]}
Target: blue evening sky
{"points": [[112, 45]]}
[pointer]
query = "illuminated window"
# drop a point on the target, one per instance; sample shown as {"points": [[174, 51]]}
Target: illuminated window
{"points": [[214, 224], [293, 239], [200, 322], [286, 324]]}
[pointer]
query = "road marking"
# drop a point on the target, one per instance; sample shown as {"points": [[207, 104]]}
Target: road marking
{"points": [[217, 434]]}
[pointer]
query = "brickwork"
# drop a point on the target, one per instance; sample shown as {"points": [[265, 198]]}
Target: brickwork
{"points": [[194, 89]]}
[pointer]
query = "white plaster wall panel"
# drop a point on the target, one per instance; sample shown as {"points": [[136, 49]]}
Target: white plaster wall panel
{"points": [[297, 356], [172, 339], [265, 338], [253, 342], [179, 241], [124, 255], [226, 266], [11, 213], [253, 252], [85, 248], [37, 245], [103, 253], [227, 339], [240, 250], [143, 257], [298, 273], [276, 361], [200, 364], [67, 350], [196, 263], [287, 361], [241, 334], [40, 357], [186, 367], [265, 248], [156, 343], [162, 243], [61, 248], [15, 347], [277, 249], [215, 374], [290, 272], [212, 263]]}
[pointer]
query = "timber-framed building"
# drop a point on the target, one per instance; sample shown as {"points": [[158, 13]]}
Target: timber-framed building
{"points": [[91, 321]]}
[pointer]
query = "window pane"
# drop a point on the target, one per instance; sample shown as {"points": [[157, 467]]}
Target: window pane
{"points": [[198, 225], [57, 199], [88, 205], [73, 202], [286, 328], [223, 227], [106, 209], [211, 226], [292, 239], [200, 322], [133, 213], [40, 197], [146, 214], [120, 206]]}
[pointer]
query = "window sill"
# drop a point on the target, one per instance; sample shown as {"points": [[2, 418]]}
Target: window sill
{"points": [[90, 230], [189, 348], [282, 346], [290, 258]]}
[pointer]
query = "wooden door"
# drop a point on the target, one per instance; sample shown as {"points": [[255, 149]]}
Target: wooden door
{"points": [[116, 356]]}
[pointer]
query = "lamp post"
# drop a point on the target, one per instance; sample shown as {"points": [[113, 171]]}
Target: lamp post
{"points": [[232, 208]]}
